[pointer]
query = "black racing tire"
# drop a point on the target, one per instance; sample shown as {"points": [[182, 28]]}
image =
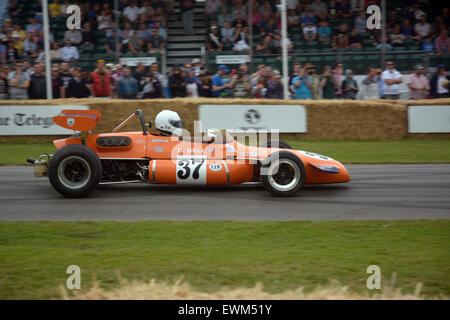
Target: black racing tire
{"points": [[75, 171], [290, 177], [281, 144]]}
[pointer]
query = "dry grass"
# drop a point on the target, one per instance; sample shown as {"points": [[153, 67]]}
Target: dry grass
{"points": [[180, 290], [327, 119]]}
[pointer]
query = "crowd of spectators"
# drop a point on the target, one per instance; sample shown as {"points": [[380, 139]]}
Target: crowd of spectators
{"points": [[228, 25], [193, 80], [144, 31]]}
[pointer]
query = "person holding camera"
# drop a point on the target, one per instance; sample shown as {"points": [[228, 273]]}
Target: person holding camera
{"points": [[328, 84], [241, 84], [315, 78], [302, 85], [275, 86], [152, 87]]}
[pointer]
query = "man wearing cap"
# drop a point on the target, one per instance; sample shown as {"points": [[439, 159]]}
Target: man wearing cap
{"points": [[391, 80], [219, 85], [196, 66], [349, 85], [440, 83], [417, 83]]}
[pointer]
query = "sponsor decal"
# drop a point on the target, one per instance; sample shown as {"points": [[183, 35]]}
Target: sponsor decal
{"points": [[196, 150], [249, 154], [252, 116], [70, 122], [158, 149], [215, 167], [314, 155], [160, 140]]}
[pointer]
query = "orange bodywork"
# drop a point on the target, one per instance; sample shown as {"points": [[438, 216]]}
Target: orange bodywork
{"points": [[78, 120], [171, 161]]}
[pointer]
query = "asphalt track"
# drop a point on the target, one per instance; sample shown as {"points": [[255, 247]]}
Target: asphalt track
{"points": [[375, 192]]}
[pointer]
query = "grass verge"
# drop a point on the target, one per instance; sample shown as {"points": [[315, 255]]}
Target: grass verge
{"points": [[374, 151], [381, 151], [282, 256]]}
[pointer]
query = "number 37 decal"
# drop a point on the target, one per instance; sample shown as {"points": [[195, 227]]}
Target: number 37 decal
{"points": [[191, 171]]}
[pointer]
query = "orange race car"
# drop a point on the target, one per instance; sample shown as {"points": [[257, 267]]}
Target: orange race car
{"points": [[85, 160]]}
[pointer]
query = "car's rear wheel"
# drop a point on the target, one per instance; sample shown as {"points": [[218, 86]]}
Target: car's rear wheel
{"points": [[283, 174], [75, 170], [276, 143]]}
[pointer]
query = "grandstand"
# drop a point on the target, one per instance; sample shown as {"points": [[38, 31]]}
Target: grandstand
{"points": [[182, 49]]}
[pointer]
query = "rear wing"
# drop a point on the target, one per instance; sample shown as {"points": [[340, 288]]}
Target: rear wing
{"points": [[78, 120]]}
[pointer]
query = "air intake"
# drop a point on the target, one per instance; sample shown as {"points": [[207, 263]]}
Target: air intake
{"points": [[114, 141]]}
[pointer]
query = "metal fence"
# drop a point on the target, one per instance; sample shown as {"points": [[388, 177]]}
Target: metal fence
{"points": [[358, 61]]}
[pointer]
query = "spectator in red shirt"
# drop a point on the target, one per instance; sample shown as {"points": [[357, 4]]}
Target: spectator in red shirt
{"points": [[100, 82]]}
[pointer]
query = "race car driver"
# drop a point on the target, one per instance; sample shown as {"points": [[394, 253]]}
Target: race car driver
{"points": [[168, 123]]}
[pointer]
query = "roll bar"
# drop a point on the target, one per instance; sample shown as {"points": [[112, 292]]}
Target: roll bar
{"points": [[141, 118]]}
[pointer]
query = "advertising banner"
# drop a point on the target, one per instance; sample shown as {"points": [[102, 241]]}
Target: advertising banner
{"points": [[428, 119], [32, 120], [242, 118]]}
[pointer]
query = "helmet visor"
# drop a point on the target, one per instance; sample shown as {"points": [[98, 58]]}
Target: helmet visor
{"points": [[176, 124]]}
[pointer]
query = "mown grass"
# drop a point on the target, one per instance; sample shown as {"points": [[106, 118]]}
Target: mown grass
{"points": [[374, 151], [34, 256], [17, 152], [380, 151]]}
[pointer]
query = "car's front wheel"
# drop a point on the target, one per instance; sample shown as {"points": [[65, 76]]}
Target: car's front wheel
{"points": [[75, 171], [283, 174]]}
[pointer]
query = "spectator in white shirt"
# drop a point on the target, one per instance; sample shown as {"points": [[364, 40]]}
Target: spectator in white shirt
{"points": [[131, 12], [104, 21], [74, 36], [69, 52], [391, 80], [422, 28], [370, 85], [310, 31]]}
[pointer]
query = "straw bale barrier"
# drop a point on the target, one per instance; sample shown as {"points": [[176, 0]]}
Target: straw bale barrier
{"points": [[326, 119]]}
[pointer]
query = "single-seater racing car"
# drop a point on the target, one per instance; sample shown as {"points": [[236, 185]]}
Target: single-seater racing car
{"points": [[85, 160]]}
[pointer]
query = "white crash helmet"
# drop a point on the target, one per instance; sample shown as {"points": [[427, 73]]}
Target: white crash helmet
{"points": [[168, 123]]}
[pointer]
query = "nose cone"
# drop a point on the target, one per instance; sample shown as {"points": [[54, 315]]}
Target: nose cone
{"points": [[343, 173]]}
